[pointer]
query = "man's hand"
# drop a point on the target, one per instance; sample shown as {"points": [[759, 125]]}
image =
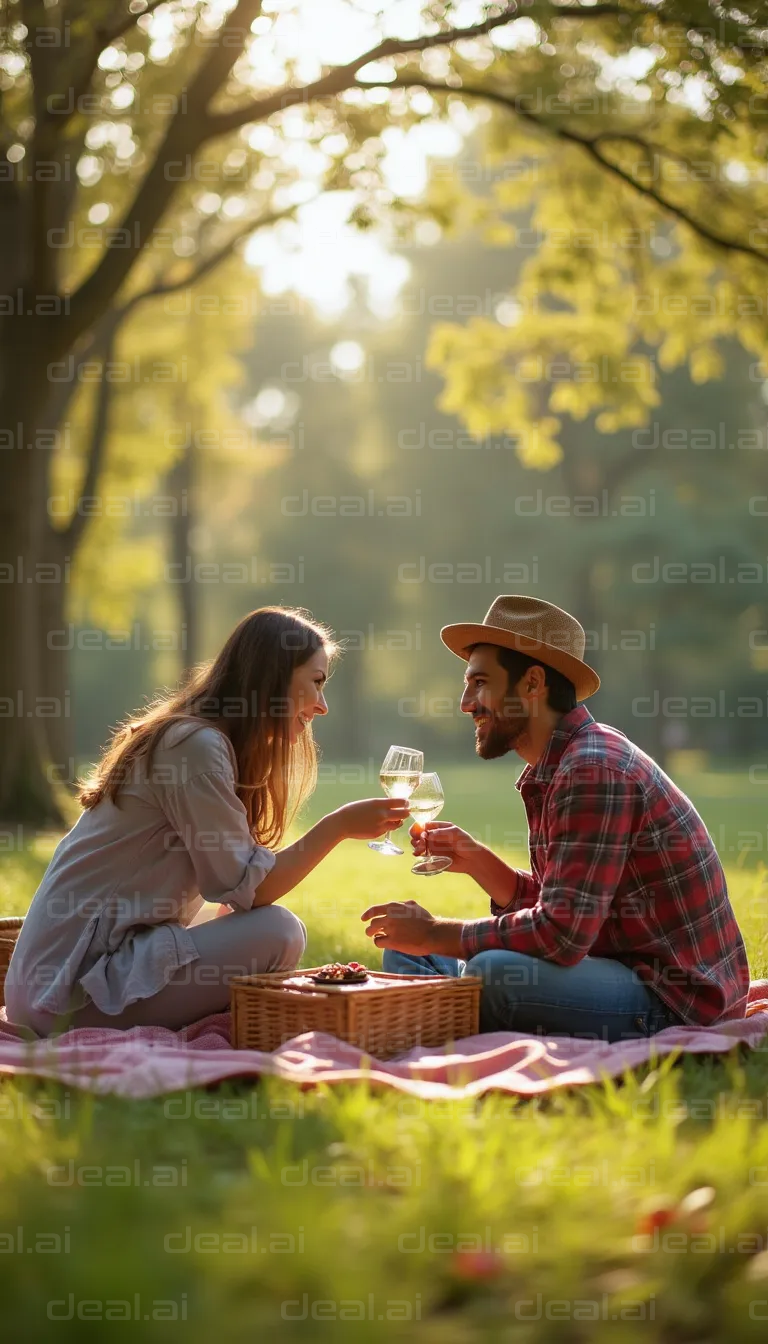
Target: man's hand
{"points": [[405, 926], [449, 840]]}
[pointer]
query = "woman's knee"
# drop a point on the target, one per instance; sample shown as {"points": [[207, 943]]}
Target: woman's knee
{"points": [[287, 934], [294, 932]]}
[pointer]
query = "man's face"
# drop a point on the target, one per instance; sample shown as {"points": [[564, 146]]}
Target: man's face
{"points": [[501, 716]]}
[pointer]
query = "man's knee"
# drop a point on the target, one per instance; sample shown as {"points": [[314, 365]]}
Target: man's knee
{"points": [[504, 970]]}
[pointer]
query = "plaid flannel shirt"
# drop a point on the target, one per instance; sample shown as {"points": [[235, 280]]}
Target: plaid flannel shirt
{"points": [[622, 867]]}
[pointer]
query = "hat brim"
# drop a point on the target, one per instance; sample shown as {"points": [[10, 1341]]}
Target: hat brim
{"points": [[460, 639]]}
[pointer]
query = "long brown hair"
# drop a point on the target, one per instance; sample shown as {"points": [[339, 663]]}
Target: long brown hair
{"points": [[244, 693]]}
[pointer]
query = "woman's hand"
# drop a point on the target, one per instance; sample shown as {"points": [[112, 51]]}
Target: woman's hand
{"points": [[447, 840], [371, 818]]}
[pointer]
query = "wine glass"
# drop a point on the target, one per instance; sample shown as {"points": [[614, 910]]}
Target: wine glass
{"points": [[426, 803], [399, 776]]}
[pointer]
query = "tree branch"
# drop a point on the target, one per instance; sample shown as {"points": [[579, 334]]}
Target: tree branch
{"points": [[214, 71], [590, 146], [107, 338], [342, 77], [756, 43], [72, 533], [110, 35], [650, 148], [187, 130], [214, 259], [62, 392], [594, 11], [102, 38]]}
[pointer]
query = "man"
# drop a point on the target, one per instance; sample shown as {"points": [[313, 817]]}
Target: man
{"points": [[623, 926]]}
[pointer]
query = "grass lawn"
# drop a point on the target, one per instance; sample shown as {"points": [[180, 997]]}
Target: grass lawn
{"points": [[243, 1212]]}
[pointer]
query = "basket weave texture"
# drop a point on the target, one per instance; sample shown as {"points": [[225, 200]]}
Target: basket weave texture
{"points": [[9, 932], [385, 1016]]}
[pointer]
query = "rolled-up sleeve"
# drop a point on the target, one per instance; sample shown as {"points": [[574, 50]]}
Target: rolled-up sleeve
{"points": [[211, 823], [590, 820], [527, 888]]}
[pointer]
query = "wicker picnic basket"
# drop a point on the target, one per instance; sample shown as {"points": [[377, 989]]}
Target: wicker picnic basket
{"points": [[385, 1015], [9, 932]]}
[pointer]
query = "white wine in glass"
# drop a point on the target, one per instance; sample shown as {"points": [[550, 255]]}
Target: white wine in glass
{"points": [[400, 774], [399, 785], [426, 805]]}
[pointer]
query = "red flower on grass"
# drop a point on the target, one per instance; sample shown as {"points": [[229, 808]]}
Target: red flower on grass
{"points": [[476, 1266], [654, 1219], [689, 1213]]}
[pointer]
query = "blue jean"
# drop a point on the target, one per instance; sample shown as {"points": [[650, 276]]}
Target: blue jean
{"points": [[597, 998]]}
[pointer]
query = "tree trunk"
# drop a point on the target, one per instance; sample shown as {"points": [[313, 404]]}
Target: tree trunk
{"points": [[27, 789], [55, 673]]}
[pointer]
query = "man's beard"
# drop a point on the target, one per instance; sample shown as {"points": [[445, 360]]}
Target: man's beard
{"points": [[503, 734]]}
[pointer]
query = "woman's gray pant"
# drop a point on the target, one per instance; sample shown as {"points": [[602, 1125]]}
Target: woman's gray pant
{"points": [[267, 938]]}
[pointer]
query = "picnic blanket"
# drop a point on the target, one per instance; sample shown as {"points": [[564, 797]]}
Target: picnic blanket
{"points": [[151, 1061]]}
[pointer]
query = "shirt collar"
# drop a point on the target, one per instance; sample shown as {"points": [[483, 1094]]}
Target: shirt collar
{"points": [[570, 724]]}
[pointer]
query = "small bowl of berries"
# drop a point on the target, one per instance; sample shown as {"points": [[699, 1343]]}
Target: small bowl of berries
{"points": [[340, 973]]}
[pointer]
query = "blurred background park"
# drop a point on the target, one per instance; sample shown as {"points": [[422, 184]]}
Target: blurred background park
{"points": [[484, 312]]}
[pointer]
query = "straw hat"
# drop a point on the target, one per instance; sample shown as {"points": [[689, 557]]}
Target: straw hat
{"points": [[533, 627]]}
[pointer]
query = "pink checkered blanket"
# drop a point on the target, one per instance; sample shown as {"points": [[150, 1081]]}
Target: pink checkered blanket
{"points": [[151, 1061]]}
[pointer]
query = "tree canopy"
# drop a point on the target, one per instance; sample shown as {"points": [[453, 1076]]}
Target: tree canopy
{"points": [[616, 150]]}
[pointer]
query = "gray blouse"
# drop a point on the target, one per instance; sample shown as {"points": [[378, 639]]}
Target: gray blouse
{"points": [[108, 921]]}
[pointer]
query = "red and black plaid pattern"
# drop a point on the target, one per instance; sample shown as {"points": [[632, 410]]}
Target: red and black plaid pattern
{"points": [[622, 866]]}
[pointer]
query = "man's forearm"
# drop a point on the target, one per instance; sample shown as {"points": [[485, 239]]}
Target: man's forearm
{"points": [[501, 882], [446, 938]]}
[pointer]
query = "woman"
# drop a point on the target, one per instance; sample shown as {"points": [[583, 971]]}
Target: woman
{"points": [[188, 805]]}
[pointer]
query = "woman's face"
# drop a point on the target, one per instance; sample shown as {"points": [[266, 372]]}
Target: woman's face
{"points": [[305, 693]]}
